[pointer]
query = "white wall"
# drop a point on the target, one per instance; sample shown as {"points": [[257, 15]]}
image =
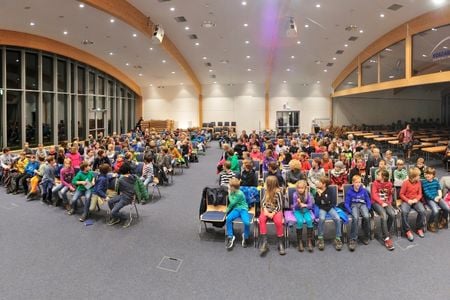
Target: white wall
{"points": [[243, 104], [386, 107]]}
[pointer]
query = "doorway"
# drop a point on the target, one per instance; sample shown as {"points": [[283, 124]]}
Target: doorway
{"points": [[288, 121]]}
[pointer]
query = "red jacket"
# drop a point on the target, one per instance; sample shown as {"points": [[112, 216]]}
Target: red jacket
{"points": [[381, 192], [411, 191]]}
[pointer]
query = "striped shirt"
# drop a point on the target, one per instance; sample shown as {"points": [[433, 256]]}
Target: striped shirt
{"points": [[430, 189], [224, 177]]}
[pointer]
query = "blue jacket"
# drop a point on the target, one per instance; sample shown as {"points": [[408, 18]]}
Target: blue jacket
{"points": [[31, 166], [101, 185], [430, 188], [353, 197]]}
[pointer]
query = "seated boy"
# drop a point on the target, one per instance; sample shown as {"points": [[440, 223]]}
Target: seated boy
{"points": [[433, 196], [125, 193], [248, 175], [275, 171], [237, 207], [357, 202], [420, 164], [226, 174], [338, 175], [411, 195], [83, 181]]}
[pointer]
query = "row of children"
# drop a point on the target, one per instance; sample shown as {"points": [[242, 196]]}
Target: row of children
{"points": [[415, 194]]}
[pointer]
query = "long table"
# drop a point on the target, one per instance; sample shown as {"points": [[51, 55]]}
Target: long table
{"points": [[433, 150]]}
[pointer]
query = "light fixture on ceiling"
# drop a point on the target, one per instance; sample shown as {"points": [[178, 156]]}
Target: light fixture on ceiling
{"points": [[325, 70], [284, 81], [112, 20], [361, 31], [172, 9], [334, 58], [249, 81], [291, 31], [391, 76], [299, 42], [306, 25], [381, 15], [439, 2], [186, 28], [224, 61], [81, 5], [134, 34], [111, 53], [173, 72], [245, 25], [248, 57], [151, 48], [127, 64], [318, 81], [208, 24], [210, 70], [249, 70], [247, 42], [244, 3], [65, 32], [204, 58], [163, 61], [150, 84], [288, 70], [318, 5], [32, 23], [87, 42], [424, 55], [433, 29], [214, 82], [346, 45], [197, 44], [292, 57], [140, 74]]}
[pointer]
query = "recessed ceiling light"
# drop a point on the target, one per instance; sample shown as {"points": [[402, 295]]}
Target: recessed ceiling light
{"points": [[318, 81], [127, 64], [318, 5], [292, 57], [288, 70], [439, 2], [111, 53], [346, 45], [163, 61], [381, 15], [247, 42], [151, 48], [197, 44], [151, 84], [215, 82], [388, 49], [173, 72], [181, 83], [248, 57], [424, 55], [205, 58], [134, 34], [208, 24], [244, 3], [140, 74], [186, 28], [172, 9], [298, 42], [334, 58], [325, 70], [445, 47], [249, 70], [245, 25], [249, 81], [210, 71], [433, 29], [81, 5], [361, 31], [65, 33], [284, 81], [32, 23], [306, 25]]}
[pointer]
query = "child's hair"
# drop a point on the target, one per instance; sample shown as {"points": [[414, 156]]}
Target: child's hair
{"points": [[84, 165], [413, 172], [273, 165], [247, 163], [148, 159], [420, 160], [388, 152], [50, 159], [125, 169], [302, 183], [105, 169], [41, 158], [227, 164], [268, 153], [294, 164], [384, 174], [100, 152], [271, 188], [318, 161], [355, 178], [235, 183], [325, 180], [68, 160], [400, 162], [431, 171]]}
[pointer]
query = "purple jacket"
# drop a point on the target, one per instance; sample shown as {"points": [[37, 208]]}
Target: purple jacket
{"points": [[308, 201]]}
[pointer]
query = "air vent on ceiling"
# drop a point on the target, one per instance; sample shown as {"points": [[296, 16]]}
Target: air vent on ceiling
{"points": [[353, 38], [330, 64], [193, 36], [208, 64], [339, 51], [395, 7], [212, 76], [180, 19], [87, 42], [351, 28]]}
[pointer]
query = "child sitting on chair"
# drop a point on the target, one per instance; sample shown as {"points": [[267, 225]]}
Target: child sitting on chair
{"points": [[226, 174], [98, 192], [302, 203], [338, 175], [274, 170], [433, 196], [327, 163], [295, 173], [125, 193], [147, 170], [420, 164], [83, 181], [314, 174], [248, 175], [357, 203], [237, 207]]}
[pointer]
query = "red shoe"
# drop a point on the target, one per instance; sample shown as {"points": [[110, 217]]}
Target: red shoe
{"points": [[409, 236], [389, 244], [420, 233]]}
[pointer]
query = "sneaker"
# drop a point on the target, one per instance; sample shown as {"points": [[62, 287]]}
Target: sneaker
{"points": [[409, 236], [338, 245], [244, 242], [365, 241], [352, 245], [83, 218], [432, 227], [70, 211], [389, 244], [230, 242], [321, 244], [420, 233], [114, 221]]}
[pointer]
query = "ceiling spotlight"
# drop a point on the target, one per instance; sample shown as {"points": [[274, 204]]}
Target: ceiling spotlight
{"points": [[111, 53], [151, 48], [424, 55], [65, 33], [439, 2], [249, 81], [140, 74], [32, 23], [127, 64], [325, 70], [334, 58], [288, 70], [81, 5], [172, 9], [318, 5], [163, 61], [186, 28], [361, 31], [151, 84], [205, 58], [318, 81], [381, 15], [298, 42], [134, 34], [215, 82], [306, 25], [249, 70], [244, 3], [112, 20], [173, 72], [197, 44], [284, 81], [433, 29], [292, 57], [247, 42], [248, 57], [210, 71]]}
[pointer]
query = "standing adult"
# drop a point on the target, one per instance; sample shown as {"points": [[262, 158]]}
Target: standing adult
{"points": [[405, 138]]}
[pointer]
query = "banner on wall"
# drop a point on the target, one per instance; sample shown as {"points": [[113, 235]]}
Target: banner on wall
{"points": [[439, 53]]}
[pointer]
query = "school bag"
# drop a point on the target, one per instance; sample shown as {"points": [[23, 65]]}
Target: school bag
{"points": [[213, 195]]}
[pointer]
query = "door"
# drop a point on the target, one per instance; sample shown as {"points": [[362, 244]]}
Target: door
{"points": [[288, 121]]}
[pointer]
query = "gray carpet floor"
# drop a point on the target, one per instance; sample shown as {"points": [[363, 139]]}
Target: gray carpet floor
{"points": [[45, 254]]}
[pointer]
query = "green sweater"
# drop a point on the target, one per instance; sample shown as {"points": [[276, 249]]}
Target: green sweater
{"points": [[82, 176], [237, 201], [234, 164]]}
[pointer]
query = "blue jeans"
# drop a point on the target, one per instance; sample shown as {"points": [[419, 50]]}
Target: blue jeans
{"points": [[62, 189], [78, 194], [46, 186], [359, 209], [233, 215], [336, 219], [116, 204], [421, 215], [434, 206], [303, 216], [147, 180]]}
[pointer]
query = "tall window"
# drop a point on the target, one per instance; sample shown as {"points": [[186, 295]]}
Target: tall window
{"points": [[62, 117], [13, 69], [14, 113], [47, 73], [31, 64], [31, 118], [47, 118]]}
